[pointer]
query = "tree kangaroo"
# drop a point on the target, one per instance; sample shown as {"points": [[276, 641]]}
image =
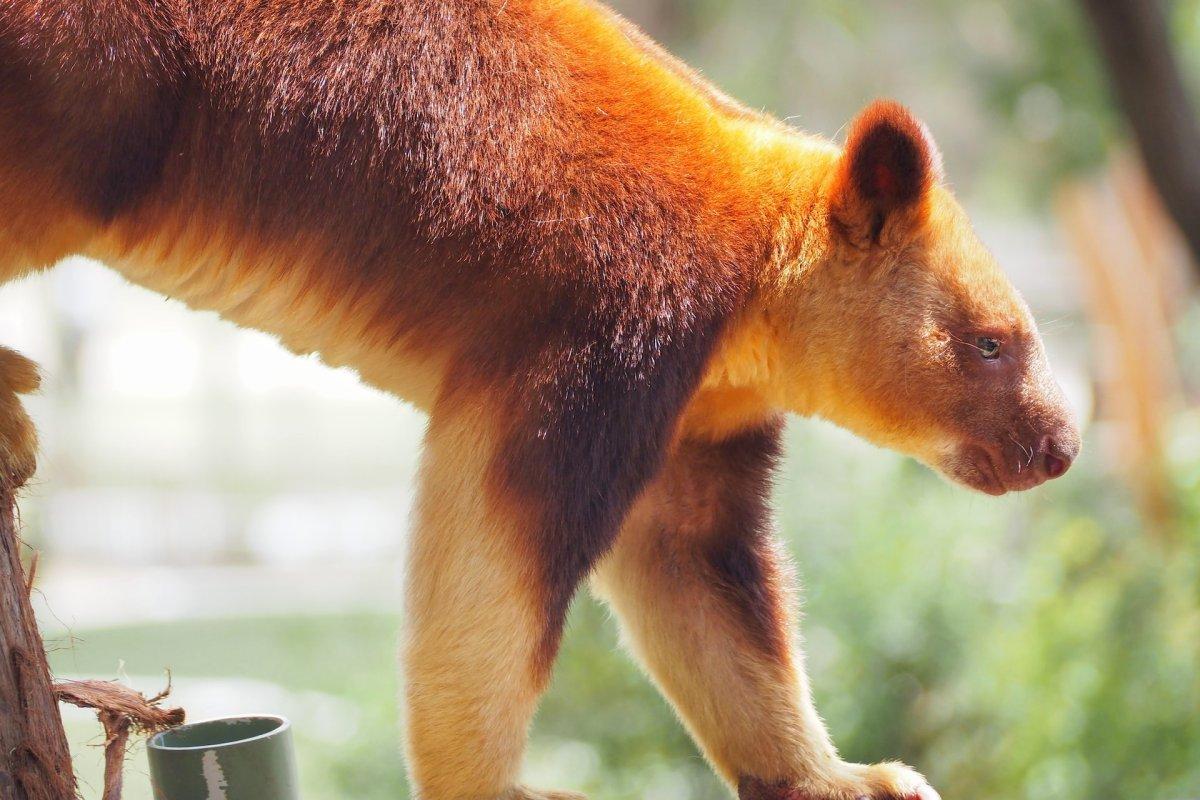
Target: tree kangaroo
{"points": [[605, 282]]}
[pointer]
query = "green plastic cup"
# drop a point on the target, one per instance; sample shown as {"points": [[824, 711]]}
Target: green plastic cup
{"points": [[237, 758]]}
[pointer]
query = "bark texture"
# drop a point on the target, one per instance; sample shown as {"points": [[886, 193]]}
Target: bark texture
{"points": [[35, 763]]}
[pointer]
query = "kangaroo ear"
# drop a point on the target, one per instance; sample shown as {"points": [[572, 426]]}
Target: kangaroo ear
{"points": [[887, 169]]}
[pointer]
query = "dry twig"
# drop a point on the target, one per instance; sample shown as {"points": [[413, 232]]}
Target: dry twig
{"points": [[120, 710]]}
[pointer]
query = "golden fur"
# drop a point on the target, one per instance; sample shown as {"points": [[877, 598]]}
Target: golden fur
{"points": [[602, 278]]}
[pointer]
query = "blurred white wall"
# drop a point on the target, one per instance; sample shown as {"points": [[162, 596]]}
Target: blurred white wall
{"points": [[170, 436]]}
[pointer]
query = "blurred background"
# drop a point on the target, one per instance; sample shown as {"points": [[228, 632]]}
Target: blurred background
{"points": [[212, 505]]}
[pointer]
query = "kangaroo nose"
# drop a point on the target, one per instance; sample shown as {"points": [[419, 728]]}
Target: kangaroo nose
{"points": [[1058, 455], [1055, 466]]}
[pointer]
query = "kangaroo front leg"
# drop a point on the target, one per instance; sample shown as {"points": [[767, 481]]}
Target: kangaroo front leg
{"points": [[702, 593], [474, 660]]}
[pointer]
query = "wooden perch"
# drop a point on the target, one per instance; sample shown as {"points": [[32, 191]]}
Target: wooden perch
{"points": [[120, 710], [35, 763]]}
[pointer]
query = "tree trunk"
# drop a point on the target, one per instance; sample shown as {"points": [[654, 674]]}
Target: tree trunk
{"points": [[35, 763], [1135, 42]]}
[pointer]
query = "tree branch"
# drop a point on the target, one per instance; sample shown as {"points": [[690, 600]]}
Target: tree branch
{"points": [[35, 763]]}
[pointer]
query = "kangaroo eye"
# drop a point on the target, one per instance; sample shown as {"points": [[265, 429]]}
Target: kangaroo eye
{"points": [[988, 348]]}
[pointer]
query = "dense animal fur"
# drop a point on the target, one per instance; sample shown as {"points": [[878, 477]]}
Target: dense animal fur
{"points": [[602, 278]]}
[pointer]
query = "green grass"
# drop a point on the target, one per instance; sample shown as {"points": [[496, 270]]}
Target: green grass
{"points": [[326, 654]]}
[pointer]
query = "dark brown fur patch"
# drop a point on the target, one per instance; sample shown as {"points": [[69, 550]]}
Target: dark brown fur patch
{"points": [[99, 85], [738, 549], [598, 433], [756, 789]]}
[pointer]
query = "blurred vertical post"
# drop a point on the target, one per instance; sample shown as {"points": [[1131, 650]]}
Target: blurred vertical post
{"points": [[1135, 41], [1134, 269], [35, 762]]}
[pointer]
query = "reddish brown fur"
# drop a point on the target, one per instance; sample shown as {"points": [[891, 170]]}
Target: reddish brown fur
{"points": [[432, 186], [755, 789], [893, 163], [602, 277]]}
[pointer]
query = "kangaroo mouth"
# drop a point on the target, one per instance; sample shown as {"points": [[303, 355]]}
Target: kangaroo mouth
{"points": [[974, 468], [997, 470]]}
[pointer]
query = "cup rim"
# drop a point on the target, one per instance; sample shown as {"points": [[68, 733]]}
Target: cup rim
{"points": [[155, 741]]}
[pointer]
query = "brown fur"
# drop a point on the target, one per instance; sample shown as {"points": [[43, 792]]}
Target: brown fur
{"points": [[602, 278]]}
